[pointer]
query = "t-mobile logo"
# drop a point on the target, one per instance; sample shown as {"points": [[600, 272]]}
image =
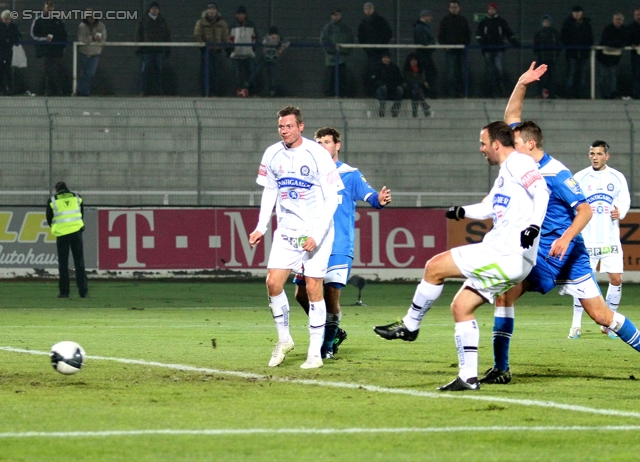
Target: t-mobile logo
{"points": [[148, 242]]}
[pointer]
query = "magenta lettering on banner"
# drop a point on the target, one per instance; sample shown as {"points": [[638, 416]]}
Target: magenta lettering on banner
{"points": [[174, 239]]}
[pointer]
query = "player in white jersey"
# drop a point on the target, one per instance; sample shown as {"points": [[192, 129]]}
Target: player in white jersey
{"points": [[301, 180], [607, 192], [517, 202]]}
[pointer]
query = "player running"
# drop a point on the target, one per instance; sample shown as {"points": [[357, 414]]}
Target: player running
{"points": [[607, 192], [563, 260], [356, 188], [517, 202]]}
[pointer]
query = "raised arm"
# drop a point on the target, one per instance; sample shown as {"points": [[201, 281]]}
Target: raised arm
{"points": [[513, 112]]}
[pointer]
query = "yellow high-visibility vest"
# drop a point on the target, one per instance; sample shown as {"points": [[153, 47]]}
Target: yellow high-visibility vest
{"points": [[67, 215]]}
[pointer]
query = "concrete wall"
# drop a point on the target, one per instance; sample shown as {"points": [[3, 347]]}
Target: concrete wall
{"points": [[182, 151]]}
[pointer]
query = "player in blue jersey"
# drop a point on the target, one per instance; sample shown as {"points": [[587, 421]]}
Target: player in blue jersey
{"points": [[356, 188], [563, 260]]}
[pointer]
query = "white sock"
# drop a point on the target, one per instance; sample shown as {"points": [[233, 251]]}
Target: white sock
{"points": [[426, 294], [577, 314], [317, 318], [280, 310], [467, 337], [614, 294]]}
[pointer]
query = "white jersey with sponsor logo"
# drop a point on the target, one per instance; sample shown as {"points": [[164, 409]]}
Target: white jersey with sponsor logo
{"points": [[303, 176], [604, 190], [512, 201]]}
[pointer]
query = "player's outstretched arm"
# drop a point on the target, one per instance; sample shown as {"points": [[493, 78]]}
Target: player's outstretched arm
{"points": [[513, 112]]}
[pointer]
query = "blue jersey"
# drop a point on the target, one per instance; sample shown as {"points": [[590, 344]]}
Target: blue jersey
{"points": [[566, 195], [355, 188]]}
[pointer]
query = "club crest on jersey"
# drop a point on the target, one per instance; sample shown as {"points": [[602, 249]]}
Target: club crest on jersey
{"points": [[500, 182], [573, 185], [293, 194], [304, 170], [609, 187]]}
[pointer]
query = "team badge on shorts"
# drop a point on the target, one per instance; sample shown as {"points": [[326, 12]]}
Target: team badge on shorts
{"points": [[304, 170]]}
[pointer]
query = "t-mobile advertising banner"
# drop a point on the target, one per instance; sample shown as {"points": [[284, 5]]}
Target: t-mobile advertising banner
{"points": [[170, 239], [183, 239]]}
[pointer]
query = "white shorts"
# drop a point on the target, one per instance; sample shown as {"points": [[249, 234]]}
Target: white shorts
{"points": [[287, 253], [488, 272], [585, 287], [610, 258]]}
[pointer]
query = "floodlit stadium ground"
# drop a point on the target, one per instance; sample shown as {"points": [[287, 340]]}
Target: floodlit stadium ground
{"points": [[155, 388]]}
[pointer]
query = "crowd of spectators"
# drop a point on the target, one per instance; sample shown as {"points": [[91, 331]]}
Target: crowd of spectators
{"points": [[251, 56]]}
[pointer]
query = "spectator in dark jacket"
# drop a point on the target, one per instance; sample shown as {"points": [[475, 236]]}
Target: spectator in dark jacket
{"points": [[454, 30], [243, 57], [491, 34], [633, 37], [546, 46], [373, 30], [153, 27], [577, 36], [388, 84], [416, 83], [422, 35], [9, 36], [50, 32], [614, 37], [333, 33]]}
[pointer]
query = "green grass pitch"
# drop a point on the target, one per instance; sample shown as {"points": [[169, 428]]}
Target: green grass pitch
{"points": [[154, 388]]}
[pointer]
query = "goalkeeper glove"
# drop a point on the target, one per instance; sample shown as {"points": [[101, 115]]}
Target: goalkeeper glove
{"points": [[528, 235], [455, 213]]}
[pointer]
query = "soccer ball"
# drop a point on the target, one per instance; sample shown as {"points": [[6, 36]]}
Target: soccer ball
{"points": [[67, 357]]}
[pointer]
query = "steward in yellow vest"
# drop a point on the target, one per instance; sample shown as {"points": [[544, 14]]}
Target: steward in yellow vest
{"points": [[64, 215]]}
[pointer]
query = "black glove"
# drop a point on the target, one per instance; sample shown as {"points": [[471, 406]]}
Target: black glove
{"points": [[455, 213], [529, 235]]}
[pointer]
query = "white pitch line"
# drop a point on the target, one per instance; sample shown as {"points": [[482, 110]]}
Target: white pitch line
{"points": [[354, 386], [311, 431]]}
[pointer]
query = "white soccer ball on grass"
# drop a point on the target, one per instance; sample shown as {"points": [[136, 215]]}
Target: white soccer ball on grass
{"points": [[67, 357]]}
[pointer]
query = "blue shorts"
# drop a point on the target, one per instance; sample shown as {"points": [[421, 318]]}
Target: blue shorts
{"points": [[549, 272], [338, 271]]}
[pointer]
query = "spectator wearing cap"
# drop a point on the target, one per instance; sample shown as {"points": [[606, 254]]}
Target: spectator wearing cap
{"points": [[633, 36], [423, 35], [333, 33], [272, 48], [214, 31], [577, 36], [152, 28], [491, 34], [243, 33], [51, 35], [389, 84], [614, 38], [373, 30], [454, 30], [546, 46]]}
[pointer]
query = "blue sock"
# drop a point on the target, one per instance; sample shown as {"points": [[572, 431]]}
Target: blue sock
{"points": [[331, 330], [503, 322], [628, 332]]}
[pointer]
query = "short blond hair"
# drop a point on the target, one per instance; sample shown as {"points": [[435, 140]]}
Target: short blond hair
{"points": [[5, 14]]}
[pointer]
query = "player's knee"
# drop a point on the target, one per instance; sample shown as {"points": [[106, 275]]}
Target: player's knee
{"points": [[432, 273], [615, 279]]}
